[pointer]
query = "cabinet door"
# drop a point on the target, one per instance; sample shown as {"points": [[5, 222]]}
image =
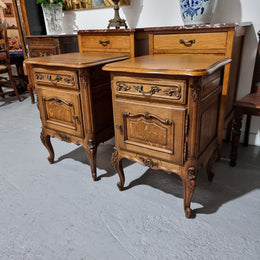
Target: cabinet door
{"points": [[61, 111], [150, 130]]}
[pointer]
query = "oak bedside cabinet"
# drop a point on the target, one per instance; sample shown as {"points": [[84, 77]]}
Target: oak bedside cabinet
{"points": [[166, 114], [221, 40], [74, 99]]}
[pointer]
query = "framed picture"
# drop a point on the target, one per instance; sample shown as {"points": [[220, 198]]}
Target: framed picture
{"points": [[91, 4], [9, 11]]}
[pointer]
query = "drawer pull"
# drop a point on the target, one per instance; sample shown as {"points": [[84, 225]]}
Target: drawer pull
{"points": [[58, 78], [152, 91], [187, 42], [104, 43]]}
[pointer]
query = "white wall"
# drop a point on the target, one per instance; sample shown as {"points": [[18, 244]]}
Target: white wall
{"points": [[153, 13]]}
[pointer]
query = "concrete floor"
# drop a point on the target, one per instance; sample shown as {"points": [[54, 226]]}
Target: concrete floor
{"points": [[56, 212]]}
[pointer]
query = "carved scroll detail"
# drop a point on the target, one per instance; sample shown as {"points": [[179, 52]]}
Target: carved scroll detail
{"points": [[64, 138], [195, 90], [83, 79], [149, 162], [122, 87], [38, 76], [174, 91], [149, 117], [58, 100], [69, 80]]}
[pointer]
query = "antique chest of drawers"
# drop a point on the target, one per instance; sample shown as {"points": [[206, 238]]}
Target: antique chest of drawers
{"points": [[131, 42], [222, 40], [166, 114], [74, 99]]}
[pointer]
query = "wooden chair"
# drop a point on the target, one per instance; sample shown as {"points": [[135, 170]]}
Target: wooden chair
{"points": [[5, 65], [248, 105]]}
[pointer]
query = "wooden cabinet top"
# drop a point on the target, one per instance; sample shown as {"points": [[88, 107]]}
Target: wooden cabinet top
{"points": [[203, 27], [76, 60], [170, 64], [118, 31], [51, 36]]}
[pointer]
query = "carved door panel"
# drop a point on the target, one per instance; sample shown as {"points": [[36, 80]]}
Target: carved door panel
{"points": [[152, 130], [61, 111]]}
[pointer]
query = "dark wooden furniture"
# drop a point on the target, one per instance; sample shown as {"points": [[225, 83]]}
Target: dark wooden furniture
{"points": [[74, 99], [248, 105], [222, 40], [45, 45], [166, 114], [5, 65], [131, 42]]}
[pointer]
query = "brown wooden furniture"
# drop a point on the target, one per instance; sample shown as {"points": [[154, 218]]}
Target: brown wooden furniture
{"points": [[131, 42], [166, 114], [45, 45], [5, 65], [248, 105], [222, 40], [74, 99]]}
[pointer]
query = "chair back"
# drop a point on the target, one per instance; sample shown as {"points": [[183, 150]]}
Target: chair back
{"points": [[256, 76]]}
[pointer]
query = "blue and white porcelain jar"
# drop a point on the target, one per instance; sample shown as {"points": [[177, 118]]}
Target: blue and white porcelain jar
{"points": [[197, 11]]}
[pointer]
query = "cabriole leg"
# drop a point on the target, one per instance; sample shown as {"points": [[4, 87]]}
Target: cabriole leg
{"points": [[47, 143], [189, 187], [117, 163], [92, 158]]}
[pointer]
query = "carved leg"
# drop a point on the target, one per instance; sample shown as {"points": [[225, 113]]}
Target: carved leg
{"points": [[47, 143], [189, 187], [211, 161], [236, 131], [92, 158], [117, 163]]}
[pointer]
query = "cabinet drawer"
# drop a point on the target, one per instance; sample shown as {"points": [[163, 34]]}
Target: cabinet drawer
{"points": [[190, 42], [107, 43], [61, 111], [56, 78], [43, 51], [160, 90], [152, 130]]}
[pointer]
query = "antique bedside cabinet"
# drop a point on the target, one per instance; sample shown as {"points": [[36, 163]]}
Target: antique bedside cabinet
{"points": [[74, 99], [222, 40], [166, 114]]}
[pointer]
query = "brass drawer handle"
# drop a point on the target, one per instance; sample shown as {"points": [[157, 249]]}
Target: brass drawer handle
{"points": [[104, 43], [58, 78], [152, 91], [187, 42]]}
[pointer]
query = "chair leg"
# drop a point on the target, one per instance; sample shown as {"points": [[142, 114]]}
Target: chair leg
{"points": [[13, 84], [236, 131], [246, 136]]}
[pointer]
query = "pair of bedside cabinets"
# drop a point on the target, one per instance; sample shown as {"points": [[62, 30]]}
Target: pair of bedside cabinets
{"points": [[167, 106]]}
